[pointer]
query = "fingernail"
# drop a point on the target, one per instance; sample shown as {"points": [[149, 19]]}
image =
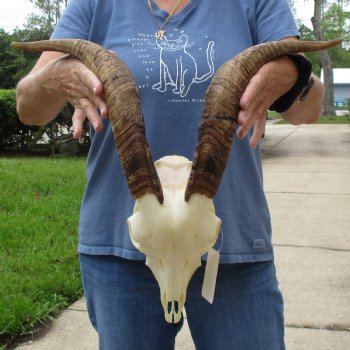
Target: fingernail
{"points": [[94, 90]]}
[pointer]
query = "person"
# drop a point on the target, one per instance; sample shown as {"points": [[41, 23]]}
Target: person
{"points": [[173, 71]]}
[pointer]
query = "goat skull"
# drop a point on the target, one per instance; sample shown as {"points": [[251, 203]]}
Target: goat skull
{"points": [[174, 235]]}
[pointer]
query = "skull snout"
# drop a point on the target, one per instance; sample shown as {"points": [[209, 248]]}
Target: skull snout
{"points": [[172, 309]]}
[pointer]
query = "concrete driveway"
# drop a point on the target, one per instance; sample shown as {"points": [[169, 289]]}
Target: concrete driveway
{"points": [[307, 182]]}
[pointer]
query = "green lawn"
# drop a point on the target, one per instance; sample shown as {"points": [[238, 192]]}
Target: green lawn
{"points": [[327, 120], [39, 268]]}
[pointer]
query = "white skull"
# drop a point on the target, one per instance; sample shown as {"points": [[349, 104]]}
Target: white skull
{"points": [[173, 235]]}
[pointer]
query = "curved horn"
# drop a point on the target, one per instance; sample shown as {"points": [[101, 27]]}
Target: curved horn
{"points": [[124, 107], [219, 118]]}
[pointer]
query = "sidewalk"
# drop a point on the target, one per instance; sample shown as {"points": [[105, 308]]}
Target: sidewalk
{"points": [[307, 182]]}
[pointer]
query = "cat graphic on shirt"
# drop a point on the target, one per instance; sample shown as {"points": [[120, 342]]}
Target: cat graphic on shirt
{"points": [[178, 68]]}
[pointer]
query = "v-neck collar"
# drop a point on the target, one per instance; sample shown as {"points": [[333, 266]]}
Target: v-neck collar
{"points": [[164, 14]]}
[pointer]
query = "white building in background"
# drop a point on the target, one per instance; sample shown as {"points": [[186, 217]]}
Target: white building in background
{"points": [[341, 79]]}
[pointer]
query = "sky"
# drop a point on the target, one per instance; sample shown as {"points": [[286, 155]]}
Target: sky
{"points": [[13, 13]]}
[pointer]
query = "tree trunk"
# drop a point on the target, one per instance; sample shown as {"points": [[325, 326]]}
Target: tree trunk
{"points": [[328, 103]]}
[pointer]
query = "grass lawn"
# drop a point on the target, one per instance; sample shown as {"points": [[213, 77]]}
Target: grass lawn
{"points": [[327, 120], [39, 268]]}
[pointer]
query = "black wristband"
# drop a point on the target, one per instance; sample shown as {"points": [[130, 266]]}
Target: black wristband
{"points": [[304, 68]]}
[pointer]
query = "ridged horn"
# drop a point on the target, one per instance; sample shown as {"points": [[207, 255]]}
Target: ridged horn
{"points": [[124, 107], [221, 107]]}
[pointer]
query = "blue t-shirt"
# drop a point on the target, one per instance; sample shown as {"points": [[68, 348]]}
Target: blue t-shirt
{"points": [[172, 76]]}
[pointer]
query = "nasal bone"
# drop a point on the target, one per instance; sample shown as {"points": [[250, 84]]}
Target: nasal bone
{"points": [[173, 312]]}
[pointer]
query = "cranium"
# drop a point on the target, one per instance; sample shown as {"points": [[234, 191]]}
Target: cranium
{"points": [[171, 227], [173, 235]]}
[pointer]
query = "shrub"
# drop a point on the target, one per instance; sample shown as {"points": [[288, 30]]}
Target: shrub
{"points": [[16, 136], [12, 132]]}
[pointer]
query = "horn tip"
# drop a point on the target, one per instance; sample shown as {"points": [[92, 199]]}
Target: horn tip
{"points": [[15, 44], [160, 197]]}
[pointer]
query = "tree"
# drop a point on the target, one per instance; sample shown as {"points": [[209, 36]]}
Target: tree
{"points": [[335, 24], [328, 104], [15, 64], [51, 11], [307, 34], [335, 21], [331, 20], [9, 62]]}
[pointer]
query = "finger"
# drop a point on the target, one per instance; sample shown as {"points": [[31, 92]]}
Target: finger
{"points": [[91, 113], [241, 123], [78, 121], [94, 89], [89, 79], [259, 129], [246, 120], [102, 106], [253, 94], [97, 101]]}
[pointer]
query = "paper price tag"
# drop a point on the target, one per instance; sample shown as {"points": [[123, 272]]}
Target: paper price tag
{"points": [[211, 271]]}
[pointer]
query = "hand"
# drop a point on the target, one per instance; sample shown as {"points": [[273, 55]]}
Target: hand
{"points": [[78, 85], [273, 80]]}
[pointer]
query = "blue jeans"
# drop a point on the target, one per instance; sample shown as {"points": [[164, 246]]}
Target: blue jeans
{"points": [[123, 302]]}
